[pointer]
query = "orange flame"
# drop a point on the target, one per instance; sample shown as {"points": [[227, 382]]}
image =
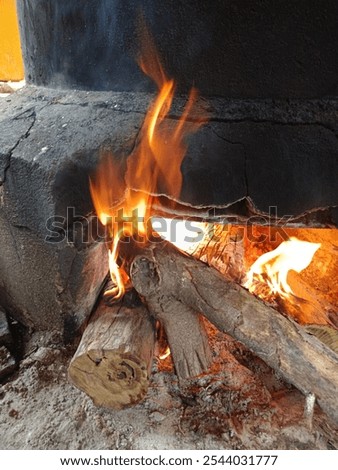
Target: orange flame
{"points": [[165, 354], [122, 193], [273, 267]]}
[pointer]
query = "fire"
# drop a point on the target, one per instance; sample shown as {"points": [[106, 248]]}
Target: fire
{"points": [[123, 192], [273, 267], [186, 235], [166, 354]]}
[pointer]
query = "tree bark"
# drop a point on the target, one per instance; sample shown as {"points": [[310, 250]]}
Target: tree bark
{"points": [[113, 361], [161, 269], [185, 333]]}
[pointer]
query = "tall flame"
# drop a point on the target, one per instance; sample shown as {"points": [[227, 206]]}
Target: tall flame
{"points": [[273, 267], [122, 193]]}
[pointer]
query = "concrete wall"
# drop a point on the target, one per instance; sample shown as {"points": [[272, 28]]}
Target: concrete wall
{"points": [[229, 48]]}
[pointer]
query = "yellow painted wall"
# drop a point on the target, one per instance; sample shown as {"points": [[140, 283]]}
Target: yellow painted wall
{"points": [[11, 65]]}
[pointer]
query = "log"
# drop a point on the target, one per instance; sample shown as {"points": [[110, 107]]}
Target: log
{"points": [[298, 357], [7, 362], [113, 361], [224, 250], [186, 336], [5, 334]]}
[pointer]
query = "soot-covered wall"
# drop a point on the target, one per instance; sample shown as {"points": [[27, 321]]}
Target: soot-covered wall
{"points": [[230, 48]]}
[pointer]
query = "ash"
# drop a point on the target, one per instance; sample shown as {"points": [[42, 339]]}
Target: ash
{"points": [[239, 404]]}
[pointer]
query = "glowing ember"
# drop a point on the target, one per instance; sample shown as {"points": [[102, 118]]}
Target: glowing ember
{"points": [[123, 194], [272, 268]]}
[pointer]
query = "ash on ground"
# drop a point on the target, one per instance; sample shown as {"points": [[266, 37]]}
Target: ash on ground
{"points": [[239, 404]]}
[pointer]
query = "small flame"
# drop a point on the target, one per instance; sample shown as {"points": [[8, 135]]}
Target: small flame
{"points": [[123, 193], [118, 276], [273, 267], [166, 354]]}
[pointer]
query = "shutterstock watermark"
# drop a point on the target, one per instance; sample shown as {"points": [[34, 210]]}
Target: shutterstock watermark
{"points": [[82, 230]]}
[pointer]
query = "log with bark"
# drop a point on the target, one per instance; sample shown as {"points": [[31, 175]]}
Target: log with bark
{"points": [[113, 361], [182, 285]]}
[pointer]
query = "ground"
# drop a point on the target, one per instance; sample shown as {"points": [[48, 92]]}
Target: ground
{"points": [[240, 404]]}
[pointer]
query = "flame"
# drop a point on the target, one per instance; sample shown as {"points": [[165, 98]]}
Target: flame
{"points": [[186, 235], [165, 354], [273, 267], [123, 192]]}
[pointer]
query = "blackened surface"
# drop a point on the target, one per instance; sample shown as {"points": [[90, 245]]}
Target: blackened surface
{"points": [[293, 167], [214, 167], [232, 48]]}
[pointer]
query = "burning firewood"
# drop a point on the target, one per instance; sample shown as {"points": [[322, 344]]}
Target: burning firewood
{"points": [[160, 271], [113, 361], [176, 287]]}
